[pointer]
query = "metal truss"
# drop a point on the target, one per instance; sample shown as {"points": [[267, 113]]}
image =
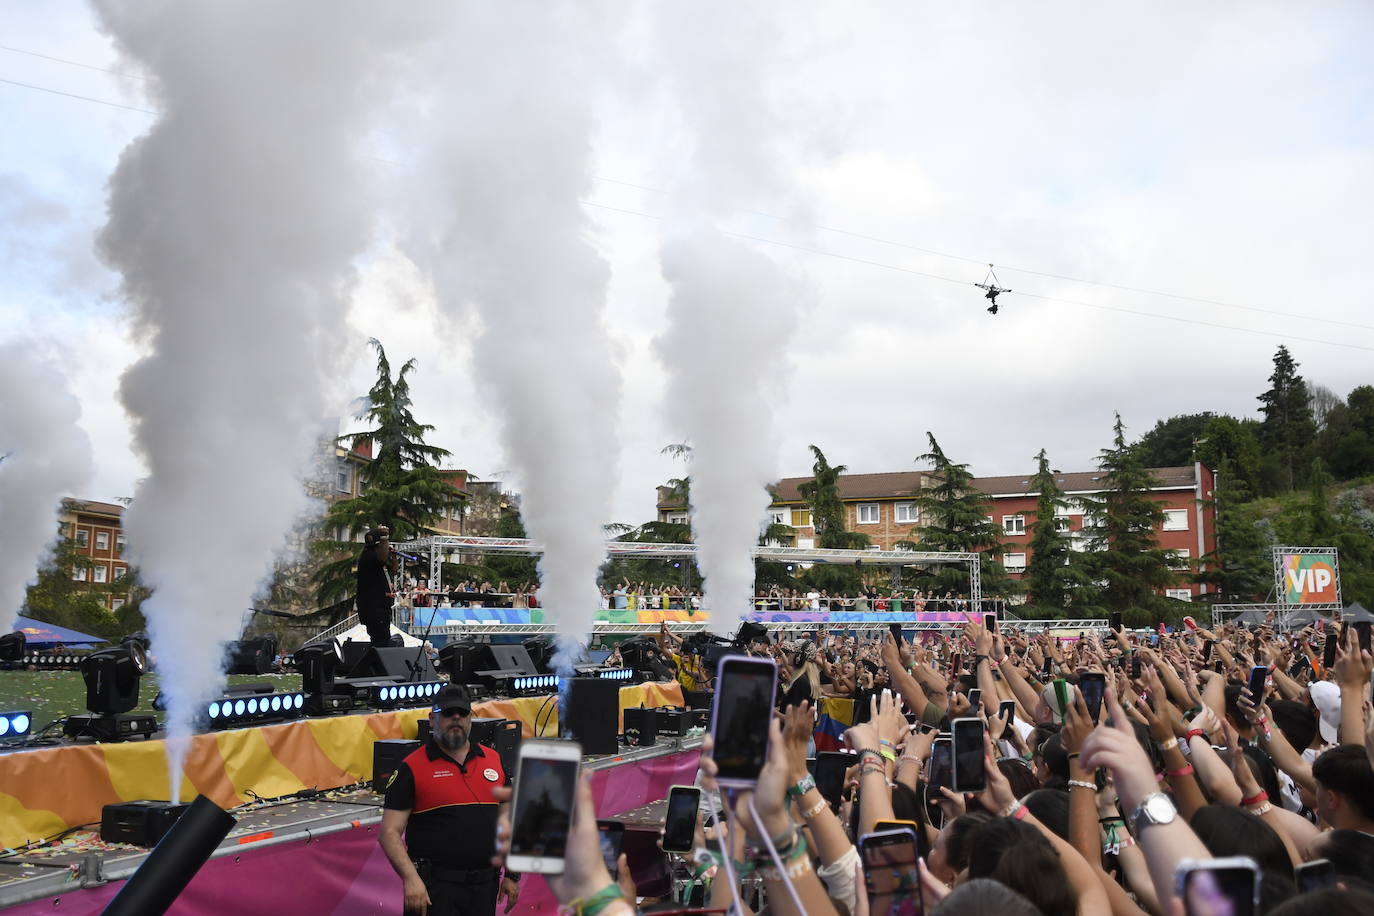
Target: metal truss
{"points": [[1221, 613]]}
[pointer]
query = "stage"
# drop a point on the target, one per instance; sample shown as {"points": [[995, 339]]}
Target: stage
{"points": [[316, 856], [44, 791]]}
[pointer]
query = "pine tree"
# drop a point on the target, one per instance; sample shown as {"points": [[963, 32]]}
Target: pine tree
{"points": [[1052, 573], [401, 487], [1288, 430], [822, 493], [1126, 564], [955, 518]]}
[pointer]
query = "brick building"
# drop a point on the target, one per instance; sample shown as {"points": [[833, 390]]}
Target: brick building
{"points": [[97, 530], [881, 506]]}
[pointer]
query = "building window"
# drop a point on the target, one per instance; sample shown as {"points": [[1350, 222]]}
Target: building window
{"points": [[342, 482], [1178, 559], [116, 604], [1013, 524], [102, 572], [79, 574], [1014, 562], [866, 513], [801, 518], [83, 538], [1182, 594], [677, 518], [65, 529], [119, 544], [121, 572], [1175, 519], [905, 512], [102, 540], [1061, 524], [806, 543], [777, 516]]}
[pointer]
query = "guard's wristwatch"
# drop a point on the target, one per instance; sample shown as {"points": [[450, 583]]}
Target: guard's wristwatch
{"points": [[1155, 808]]}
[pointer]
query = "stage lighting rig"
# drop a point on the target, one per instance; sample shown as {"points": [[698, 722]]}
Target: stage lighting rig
{"points": [[112, 677], [533, 685], [15, 725], [617, 674], [253, 709], [400, 696]]}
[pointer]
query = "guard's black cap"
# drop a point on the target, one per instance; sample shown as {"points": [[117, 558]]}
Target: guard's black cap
{"points": [[453, 695]]}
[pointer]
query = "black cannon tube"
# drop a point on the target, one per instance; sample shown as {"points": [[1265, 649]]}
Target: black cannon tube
{"points": [[174, 861]]}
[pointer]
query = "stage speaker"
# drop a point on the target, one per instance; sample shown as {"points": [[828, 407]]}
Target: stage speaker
{"points": [[697, 699], [386, 755], [513, 660], [541, 651], [501, 735], [590, 714], [462, 661], [252, 656], [641, 727], [400, 664]]}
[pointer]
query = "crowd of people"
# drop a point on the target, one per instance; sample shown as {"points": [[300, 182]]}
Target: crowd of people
{"points": [[1085, 811]]}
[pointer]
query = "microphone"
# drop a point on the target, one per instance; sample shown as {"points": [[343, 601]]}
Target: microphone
{"points": [[413, 559]]}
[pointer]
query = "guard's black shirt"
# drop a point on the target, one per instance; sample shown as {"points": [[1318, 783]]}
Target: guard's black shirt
{"points": [[452, 811]]}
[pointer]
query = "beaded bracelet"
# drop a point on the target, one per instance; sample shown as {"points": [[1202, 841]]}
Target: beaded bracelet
{"points": [[1083, 784]]}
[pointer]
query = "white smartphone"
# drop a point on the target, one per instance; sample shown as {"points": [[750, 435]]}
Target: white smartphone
{"points": [[740, 712], [542, 810]]}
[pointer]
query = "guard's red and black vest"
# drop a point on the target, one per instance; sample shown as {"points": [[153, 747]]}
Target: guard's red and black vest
{"points": [[452, 811]]}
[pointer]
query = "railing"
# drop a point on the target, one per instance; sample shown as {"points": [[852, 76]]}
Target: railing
{"points": [[342, 627]]}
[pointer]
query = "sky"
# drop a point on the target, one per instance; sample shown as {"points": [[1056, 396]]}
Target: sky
{"points": [[1222, 153]]}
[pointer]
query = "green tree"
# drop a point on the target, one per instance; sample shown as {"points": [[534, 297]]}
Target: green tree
{"points": [[1231, 444], [1171, 442], [401, 487], [1240, 568], [822, 493], [1052, 573], [1125, 563], [58, 598], [955, 518], [1288, 431], [1347, 437]]}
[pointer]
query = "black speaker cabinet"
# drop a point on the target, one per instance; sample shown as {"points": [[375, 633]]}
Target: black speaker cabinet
{"points": [[641, 727], [591, 714], [401, 664], [139, 823], [252, 656], [502, 736], [386, 754], [462, 661]]}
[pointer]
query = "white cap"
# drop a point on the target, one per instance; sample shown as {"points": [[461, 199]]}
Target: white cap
{"points": [[1326, 696]]}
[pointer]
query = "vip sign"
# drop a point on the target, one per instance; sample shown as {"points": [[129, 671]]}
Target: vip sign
{"points": [[1310, 578]]}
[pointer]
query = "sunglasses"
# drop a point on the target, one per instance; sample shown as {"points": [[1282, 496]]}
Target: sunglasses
{"points": [[459, 711]]}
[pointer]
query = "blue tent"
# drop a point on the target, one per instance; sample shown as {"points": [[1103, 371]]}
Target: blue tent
{"points": [[38, 633]]}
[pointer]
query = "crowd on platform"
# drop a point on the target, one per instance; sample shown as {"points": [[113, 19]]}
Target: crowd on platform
{"points": [[1085, 811]]}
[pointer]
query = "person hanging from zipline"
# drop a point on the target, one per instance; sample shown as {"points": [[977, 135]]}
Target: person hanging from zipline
{"points": [[993, 290]]}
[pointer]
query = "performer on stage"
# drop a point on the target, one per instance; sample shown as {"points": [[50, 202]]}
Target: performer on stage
{"points": [[376, 594]]}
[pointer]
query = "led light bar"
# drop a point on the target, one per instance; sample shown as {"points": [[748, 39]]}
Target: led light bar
{"points": [[239, 712], [616, 674], [15, 724], [534, 684], [390, 696], [50, 661]]}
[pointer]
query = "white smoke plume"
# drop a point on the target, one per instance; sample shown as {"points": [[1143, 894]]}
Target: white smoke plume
{"points": [[732, 308], [44, 456], [506, 235], [233, 222]]}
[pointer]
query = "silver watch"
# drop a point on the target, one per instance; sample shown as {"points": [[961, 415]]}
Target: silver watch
{"points": [[1155, 808]]}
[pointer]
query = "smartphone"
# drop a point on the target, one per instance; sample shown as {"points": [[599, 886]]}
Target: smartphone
{"points": [[957, 662], [1329, 651], [890, 875], [1362, 631], [896, 630], [1135, 666], [829, 775], [975, 699], [1047, 666], [680, 822], [612, 836], [969, 755], [990, 623], [1258, 675], [1315, 875], [1218, 887], [811, 766], [1007, 710], [545, 787], [740, 713], [1116, 620], [941, 771], [1093, 686], [1206, 650]]}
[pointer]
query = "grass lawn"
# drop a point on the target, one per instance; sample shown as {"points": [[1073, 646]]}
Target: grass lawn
{"points": [[53, 694]]}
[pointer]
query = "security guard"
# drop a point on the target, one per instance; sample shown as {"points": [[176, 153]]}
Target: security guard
{"points": [[440, 798]]}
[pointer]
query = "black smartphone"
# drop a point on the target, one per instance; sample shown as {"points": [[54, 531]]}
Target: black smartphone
{"points": [[990, 623], [680, 821], [1135, 666], [1007, 710], [1315, 875], [957, 663], [612, 836], [1047, 666], [1329, 650], [1362, 631], [1093, 686], [829, 775], [1116, 620], [1258, 675], [890, 873], [1206, 650], [921, 851], [896, 630], [811, 766], [941, 771], [969, 755], [975, 699], [1211, 887], [740, 713]]}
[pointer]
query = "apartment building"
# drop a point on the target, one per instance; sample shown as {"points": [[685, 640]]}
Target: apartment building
{"points": [[97, 530]]}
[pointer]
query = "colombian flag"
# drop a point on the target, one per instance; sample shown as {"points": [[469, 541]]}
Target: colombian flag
{"points": [[834, 716]]}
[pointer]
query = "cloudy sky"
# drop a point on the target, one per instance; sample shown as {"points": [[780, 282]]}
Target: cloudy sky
{"points": [[1223, 152]]}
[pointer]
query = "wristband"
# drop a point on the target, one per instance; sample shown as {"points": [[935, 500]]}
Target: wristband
{"points": [[1195, 733], [1183, 771], [783, 844], [888, 755], [1010, 810], [1083, 784], [1020, 813], [597, 902], [814, 810], [1073, 755], [1168, 745], [1261, 796], [801, 787], [1262, 810]]}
